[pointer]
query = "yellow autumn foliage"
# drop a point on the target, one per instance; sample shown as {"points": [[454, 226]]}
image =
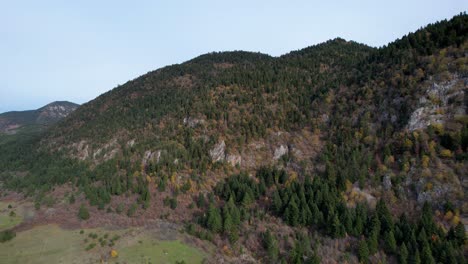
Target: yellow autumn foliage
{"points": [[438, 128], [408, 143], [425, 161], [114, 253], [455, 220], [446, 153], [448, 216]]}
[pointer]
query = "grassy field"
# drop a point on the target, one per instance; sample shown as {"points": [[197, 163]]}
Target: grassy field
{"points": [[52, 244], [8, 221], [152, 251]]}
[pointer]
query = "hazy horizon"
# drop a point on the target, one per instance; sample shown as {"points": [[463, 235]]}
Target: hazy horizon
{"points": [[74, 52]]}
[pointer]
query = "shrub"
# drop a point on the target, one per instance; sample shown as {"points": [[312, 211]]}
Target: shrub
{"points": [[119, 208], [131, 211], [7, 235], [83, 212], [72, 199], [173, 203], [446, 153], [114, 253], [90, 246]]}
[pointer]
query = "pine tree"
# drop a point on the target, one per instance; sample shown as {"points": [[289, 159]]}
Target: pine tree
{"points": [[247, 199], [459, 234], [292, 213], [415, 259], [403, 256], [228, 224], [337, 229], [375, 225], [277, 203], [234, 211], [214, 221], [271, 245], [363, 251], [373, 242], [390, 242], [426, 256], [201, 202], [384, 216], [297, 254]]}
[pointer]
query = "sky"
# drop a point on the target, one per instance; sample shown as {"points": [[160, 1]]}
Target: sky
{"points": [[77, 50]]}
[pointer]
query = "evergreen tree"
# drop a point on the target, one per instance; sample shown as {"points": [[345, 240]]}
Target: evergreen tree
{"points": [[403, 254], [373, 243], [459, 234], [390, 242], [201, 201], [214, 221], [337, 229], [363, 251], [271, 245], [292, 213], [415, 259], [426, 256], [228, 224], [277, 203], [384, 216]]}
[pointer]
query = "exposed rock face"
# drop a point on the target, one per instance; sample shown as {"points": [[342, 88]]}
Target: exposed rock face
{"points": [[83, 151], [233, 159], [193, 122], [217, 153], [280, 151], [370, 199], [387, 182], [54, 112], [151, 156], [440, 102], [131, 143]]}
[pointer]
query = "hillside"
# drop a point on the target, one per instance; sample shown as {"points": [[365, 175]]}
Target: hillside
{"points": [[336, 152], [11, 122]]}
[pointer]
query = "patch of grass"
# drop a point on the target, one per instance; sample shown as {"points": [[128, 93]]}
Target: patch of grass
{"points": [[153, 251], [51, 244], [8, 217]]}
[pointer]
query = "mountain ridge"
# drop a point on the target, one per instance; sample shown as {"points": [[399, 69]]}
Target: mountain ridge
{"points": [[46, 115], [339, 143]]}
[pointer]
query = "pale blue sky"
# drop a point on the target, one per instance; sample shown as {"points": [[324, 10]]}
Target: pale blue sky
{"points": [[77, 50]]}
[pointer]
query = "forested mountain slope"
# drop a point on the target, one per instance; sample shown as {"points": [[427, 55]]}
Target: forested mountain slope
{"points": [[10, 122], [307, 146]]}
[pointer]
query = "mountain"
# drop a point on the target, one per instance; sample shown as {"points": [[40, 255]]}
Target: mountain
{"points": [[11, 122], [336, 152]]}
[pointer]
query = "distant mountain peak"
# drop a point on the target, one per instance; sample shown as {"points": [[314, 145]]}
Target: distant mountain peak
{"points": [[11, 122]]}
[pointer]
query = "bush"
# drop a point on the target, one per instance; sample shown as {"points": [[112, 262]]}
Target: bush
{"points": [[131, 211], [90, 246], [83, 213], [173, 203], [119, 208], [72, 199], [446, 153], [7, 235]]}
